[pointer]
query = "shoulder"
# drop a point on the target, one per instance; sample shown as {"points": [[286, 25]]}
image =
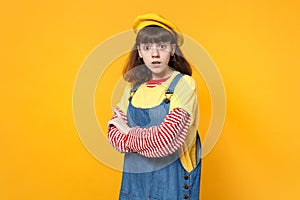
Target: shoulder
{"points": [[123, 103], [128, 87], [185, 94], [187, 83]]}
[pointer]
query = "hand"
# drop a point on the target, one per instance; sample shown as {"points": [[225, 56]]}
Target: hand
{"points": [[119, 123]]}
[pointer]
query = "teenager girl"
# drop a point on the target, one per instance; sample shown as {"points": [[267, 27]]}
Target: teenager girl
{"points": [[155, 123]]}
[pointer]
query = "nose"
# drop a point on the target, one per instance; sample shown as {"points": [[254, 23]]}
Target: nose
{"points": [[155, 53]]}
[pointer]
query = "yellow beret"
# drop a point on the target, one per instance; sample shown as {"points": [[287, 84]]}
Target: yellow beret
{"points": [[154, 19]]}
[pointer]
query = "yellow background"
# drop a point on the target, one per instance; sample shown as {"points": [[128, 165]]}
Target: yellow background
{"points": [[255, 45]]}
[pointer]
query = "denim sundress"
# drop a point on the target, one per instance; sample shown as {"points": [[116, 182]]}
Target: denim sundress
{"points": [[157, 178]]}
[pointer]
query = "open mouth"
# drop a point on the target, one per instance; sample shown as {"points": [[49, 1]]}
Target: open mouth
{"points": [[156, 62]]}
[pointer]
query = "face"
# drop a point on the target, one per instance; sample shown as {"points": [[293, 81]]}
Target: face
{"points": [[156, 56]]}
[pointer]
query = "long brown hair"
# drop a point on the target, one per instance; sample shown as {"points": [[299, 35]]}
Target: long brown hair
{"points": [[135, 69]]}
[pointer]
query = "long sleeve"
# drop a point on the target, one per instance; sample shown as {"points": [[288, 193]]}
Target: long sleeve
{"points": [[156, 141], [115, 137]]}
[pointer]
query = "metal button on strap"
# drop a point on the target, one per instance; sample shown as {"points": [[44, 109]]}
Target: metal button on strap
{"points": [[185, 186], [186, 177], [167, 100], [185, 196]]}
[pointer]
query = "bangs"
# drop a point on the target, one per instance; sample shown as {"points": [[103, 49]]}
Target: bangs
{"points": [[154, 34]]}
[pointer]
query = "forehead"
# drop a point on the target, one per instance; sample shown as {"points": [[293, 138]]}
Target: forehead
{"points": [[155, 43]]}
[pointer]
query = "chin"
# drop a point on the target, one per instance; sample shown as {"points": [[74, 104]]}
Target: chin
{"points": [[156, 71]]}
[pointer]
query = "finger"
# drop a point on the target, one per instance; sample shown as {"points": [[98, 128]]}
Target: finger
{"points": [[117, 112], [112, 122], [114, 109]]}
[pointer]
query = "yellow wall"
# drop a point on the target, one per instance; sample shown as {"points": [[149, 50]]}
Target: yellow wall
{"points": [[255, 45]]}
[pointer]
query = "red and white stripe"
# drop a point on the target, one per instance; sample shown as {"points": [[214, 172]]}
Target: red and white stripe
{"points": [[156, 141]]}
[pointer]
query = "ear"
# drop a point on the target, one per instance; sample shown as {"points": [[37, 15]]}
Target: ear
{"points": [[173, 49]]}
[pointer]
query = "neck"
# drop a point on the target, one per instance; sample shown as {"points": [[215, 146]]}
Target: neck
{"points": [[162, 75]]}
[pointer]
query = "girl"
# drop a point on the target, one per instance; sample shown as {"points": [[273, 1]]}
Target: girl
{"points": [[155, 123]]}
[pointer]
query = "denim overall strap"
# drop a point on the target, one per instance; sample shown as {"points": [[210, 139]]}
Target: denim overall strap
{"points": [[135, 87], [174, 83], [133, 90]]}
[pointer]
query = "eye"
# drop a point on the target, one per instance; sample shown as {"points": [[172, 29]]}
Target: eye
{"points": [[163, 46], [146, 47]]}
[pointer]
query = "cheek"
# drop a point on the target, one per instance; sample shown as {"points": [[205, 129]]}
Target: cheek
{"points": [[166, 56], [146, 58]]}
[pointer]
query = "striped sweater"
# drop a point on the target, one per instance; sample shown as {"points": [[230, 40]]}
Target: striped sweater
{"points": [[155, 141]]}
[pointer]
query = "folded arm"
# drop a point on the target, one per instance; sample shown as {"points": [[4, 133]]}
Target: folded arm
{"points": [[155, 141]]}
